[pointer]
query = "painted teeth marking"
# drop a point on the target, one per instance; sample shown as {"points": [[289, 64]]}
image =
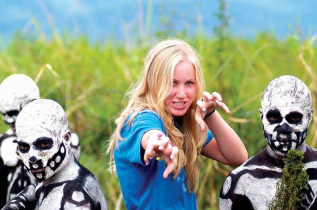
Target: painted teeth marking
{"points": [[276, 143], [283, 136], [274, 136]]}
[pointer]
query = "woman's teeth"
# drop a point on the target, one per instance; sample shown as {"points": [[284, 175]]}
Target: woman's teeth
{"points": [[179, 103]]}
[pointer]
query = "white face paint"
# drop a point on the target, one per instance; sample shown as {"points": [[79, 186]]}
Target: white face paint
{"points": [[43, 138], [15, 92], [286, 113]]}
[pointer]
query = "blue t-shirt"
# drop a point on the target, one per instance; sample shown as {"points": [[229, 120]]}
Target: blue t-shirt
{"points": [[143, 186]]}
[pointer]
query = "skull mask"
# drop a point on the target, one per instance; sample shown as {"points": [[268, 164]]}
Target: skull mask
{"points": [[286, 113], [15, 92], [43, 138]]}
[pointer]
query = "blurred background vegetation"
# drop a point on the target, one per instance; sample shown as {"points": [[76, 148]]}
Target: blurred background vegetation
{"points": [[90, 80]]}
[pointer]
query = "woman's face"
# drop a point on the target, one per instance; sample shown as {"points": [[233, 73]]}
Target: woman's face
{"points": [[183, 91]]}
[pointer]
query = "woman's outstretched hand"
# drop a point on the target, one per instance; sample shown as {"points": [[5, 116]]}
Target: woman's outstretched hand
{"points": [[208, 105], [160, 147]]}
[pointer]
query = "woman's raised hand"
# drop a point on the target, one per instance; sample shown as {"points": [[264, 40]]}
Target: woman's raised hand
{"points": [[208, 105], [159, 146]]}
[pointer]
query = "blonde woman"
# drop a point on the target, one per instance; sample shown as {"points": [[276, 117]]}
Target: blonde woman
{"points": [[167, 123]]}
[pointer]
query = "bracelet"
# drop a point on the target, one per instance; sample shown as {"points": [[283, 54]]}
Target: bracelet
{"points": [[210, 113]]}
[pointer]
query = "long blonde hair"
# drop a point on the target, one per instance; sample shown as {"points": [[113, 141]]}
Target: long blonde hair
{"points": [[150, 92]]}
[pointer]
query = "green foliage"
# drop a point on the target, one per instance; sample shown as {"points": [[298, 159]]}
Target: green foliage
{"points": [[91, 80], [289, 187], [221, 31]]}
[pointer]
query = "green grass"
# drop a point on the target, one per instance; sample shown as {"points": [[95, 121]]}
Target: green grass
{"points": [[90, 81]]}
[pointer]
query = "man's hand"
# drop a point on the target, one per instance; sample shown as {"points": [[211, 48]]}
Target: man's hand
{"points": [[24, 200]]}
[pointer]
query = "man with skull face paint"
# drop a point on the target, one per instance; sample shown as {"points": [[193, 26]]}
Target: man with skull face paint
{"points": [[16, 91], [286, 112], [44, 145]]}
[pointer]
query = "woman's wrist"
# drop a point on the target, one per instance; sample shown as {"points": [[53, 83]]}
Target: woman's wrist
{"points": [[210, 113]]}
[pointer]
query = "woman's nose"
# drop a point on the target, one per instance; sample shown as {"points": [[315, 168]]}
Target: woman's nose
{"points": [[181, 91]]}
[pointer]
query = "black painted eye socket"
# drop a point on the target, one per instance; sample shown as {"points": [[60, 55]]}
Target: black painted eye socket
{"points": [[23, 147], [274, 116], [43, 143], [12, 113], [294, 118]]}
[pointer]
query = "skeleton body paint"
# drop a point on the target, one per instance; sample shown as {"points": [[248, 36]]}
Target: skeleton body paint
{"points": [[286, 112], [44, 146], [15, 92], [15, 175], [75, 144]]}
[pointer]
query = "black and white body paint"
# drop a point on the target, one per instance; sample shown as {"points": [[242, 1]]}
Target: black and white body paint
{"points": [[25, 200], [44, 145], [18, 179], [16, 91], [75, 145], [286, 112], [15, 175], [5, 161]]}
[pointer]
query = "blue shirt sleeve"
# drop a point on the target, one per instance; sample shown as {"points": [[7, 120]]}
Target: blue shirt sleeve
{"points": [[210, 136], [130, 148], [133, 133]]}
